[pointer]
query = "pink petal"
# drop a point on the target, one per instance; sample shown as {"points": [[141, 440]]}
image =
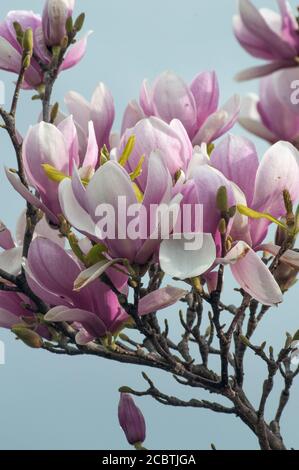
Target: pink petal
{"points": [[6, 240], [102, 114], [256, 24], [76, 53], [69, 132], [92, 324], [263, 70], [132, 115], [92, 152], [205, 89], [172, 99], [160, 299], [237, 159], [28, 196], [253, 275]]}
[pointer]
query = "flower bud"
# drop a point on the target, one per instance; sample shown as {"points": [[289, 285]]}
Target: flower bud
{"points": [[131, 420], [285, 276], [28, 42], [79, 22], [29, 337], [55, 15]]}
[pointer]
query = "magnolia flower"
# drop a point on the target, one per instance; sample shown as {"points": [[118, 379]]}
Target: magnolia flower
{"points": [[16, 310], [55, 14], [11, 256], [111, 188], [100, 111], [51, 273], [261, 187], [11, 50], [267, 116], [267, 35], [131, 420], [49, 155], [196, 106], [151, 135], [234, 165]]}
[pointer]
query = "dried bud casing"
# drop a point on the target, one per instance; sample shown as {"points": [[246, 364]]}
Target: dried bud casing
{"points": [[131, 420], [29, 337]]}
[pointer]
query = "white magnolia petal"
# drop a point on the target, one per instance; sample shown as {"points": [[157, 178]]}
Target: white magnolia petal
{"points": [[11, 260], [72, 210], [178, 260], [94, 272]]}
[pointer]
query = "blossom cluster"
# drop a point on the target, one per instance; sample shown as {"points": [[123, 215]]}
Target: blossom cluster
{"points": [[175, 149]]}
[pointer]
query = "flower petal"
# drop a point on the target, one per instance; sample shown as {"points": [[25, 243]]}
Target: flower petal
{"points": [[11, 260], [179, 261], [94, 272], [250, 118], [92, 324], [253, 275], [160, 299]]}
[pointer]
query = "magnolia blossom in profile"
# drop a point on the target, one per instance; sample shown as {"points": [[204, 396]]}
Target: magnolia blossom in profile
{"points": [[100, 110], [55, 15], [152, 135], [195, 105], [50, 154], [131, 420], [12, 246], [95, 310], [267, 35], [11, 50], [270, 116]]}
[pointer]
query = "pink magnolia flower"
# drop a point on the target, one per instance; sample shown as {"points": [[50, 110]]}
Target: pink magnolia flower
{"points": [[100, 111], [14, 311], [151, 135], [110, 182], [196, 106], [234, 164], [12, 246], [46, 144], [11, 51], [51, 273], [267, 35], [267, 115], [55, 14], [260, 186], [131, 420]]}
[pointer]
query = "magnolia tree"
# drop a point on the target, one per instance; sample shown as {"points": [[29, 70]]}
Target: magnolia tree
{"points": [[119, 227]]}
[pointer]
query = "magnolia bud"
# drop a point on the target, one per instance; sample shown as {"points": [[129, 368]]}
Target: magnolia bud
{"points": [[28, 42], [131, 420], [285, 276], [29, 337], [281, 233], [19, 32], [55, 15], [79, 22]]}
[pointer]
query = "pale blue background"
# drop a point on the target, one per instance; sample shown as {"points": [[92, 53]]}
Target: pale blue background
{"points": [[49, 402]]}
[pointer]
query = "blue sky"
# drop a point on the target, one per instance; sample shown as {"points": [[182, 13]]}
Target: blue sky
{"points": [[51, 402]]}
